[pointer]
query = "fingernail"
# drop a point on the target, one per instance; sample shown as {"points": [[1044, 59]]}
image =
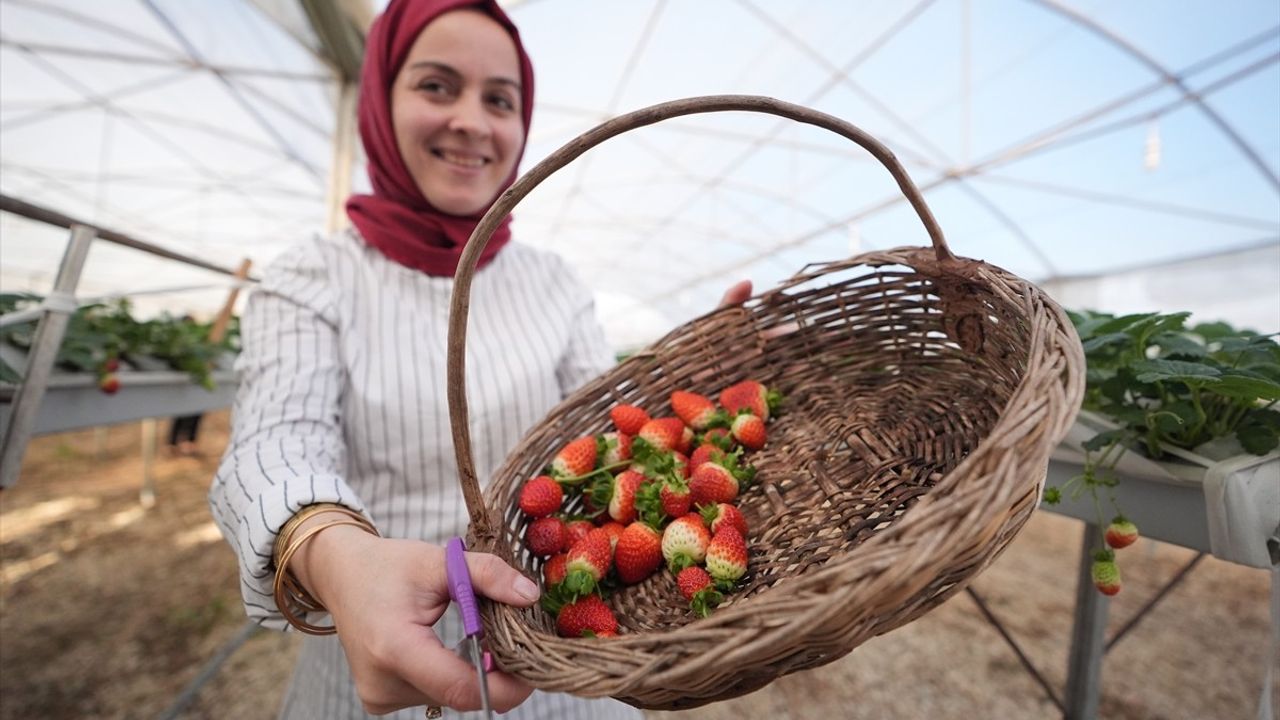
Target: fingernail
{"points": [[526, 588]]}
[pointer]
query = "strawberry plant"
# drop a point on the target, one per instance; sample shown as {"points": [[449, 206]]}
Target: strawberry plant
{"points": [[1166, 385], [98, 335]]}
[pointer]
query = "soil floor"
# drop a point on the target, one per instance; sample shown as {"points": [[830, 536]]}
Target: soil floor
{"points": [[108, 609]]}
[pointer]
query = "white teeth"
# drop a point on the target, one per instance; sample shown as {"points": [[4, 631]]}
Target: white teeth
{"points": [[463, 160]]}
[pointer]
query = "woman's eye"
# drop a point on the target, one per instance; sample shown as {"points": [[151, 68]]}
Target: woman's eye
{"points": [[502, 102], [433, 87]]}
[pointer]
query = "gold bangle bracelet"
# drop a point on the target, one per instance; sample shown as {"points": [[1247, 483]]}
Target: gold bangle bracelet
{"points": [[303, 514], [288, 592]]}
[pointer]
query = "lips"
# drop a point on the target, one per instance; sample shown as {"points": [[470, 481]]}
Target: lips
{"points": [[461, 159]]}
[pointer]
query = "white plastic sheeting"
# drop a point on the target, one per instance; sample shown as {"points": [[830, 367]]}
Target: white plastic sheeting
{"points": [[1054, 139]]}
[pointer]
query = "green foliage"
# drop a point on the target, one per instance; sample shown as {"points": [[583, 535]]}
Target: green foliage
{"points": [[1168, 385], [97, 333]]}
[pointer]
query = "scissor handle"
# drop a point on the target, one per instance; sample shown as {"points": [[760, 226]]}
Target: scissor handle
{"points": [[460, 588]]}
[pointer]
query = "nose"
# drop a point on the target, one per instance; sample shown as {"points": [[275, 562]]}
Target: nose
{"points": [[469, 117]]}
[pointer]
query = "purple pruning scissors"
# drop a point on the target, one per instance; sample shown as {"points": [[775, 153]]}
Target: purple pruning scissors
{"points": [[464, 595]]}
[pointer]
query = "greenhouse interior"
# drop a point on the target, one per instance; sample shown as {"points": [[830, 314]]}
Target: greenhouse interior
{"points": [[1003, 279]]}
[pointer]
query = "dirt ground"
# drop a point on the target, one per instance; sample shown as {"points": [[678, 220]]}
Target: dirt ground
{"points": [[109, 609]]}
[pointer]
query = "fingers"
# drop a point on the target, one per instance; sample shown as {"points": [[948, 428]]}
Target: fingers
{"points": [[496, 580], [449, 680], [736, 294]]}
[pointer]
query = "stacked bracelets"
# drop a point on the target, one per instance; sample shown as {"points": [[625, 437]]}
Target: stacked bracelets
{"points": [[293, 600]]}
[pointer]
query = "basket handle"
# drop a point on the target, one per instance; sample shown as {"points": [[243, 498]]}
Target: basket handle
{"points": [[483, 527]]}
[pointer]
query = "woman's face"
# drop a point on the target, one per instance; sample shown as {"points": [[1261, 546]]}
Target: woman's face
{"points": [[455, 107]]}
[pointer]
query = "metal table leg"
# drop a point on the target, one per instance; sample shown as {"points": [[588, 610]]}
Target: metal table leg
{"points": [[1088, 641]]}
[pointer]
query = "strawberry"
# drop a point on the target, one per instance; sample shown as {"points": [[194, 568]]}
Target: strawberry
{"points": [[712, 483], [628, 418], [752, 396], [541, 496], [109, 383], [553, 572], [664, 433], [613, 448], [622, 505], [703, 453], [587, 617], [697, 411], [1105, 572], [695, 585], [721, 515], [718, 436], [639, 553], [575, 530], [676, 497], [727, 557], [545, 536], [110, 365], [684, 542], [1121, 533], [749, 430], [576, 459], [681, 463], [587, 563], [613, 529]]}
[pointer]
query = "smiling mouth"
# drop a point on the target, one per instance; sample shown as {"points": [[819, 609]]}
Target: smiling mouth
{"points": [[467, 161]]}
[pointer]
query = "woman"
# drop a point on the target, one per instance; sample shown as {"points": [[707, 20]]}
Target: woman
{"points": [[341, 411]]}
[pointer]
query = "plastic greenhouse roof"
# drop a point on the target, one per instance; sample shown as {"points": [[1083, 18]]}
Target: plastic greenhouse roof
{"points": [[1051, 138]]}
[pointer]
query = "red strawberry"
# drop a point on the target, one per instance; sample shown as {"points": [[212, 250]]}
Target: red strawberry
{"points": [[749, 430], [1105, 572], [628, 418], [695, 585], [664, 433], [545, 536], [622, 505], [713, 483], [588, 561], [681, 464], [613, 529], [553, 572], [110, 365], [684, 542], [703, 453], [540, 497], [727, 557], [720, 437], [109, 383], [575, 530], [639, 553], [1121, 533], [588, 617], [697, 411], [575, 459], [724, 515], [676, 498], [614, 448], [750, 395]]}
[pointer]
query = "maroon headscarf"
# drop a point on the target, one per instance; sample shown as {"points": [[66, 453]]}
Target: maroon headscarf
{"points": [[396, 219]]}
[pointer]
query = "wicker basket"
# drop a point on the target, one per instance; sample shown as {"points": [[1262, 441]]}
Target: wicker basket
{"points": [[924, 393]]}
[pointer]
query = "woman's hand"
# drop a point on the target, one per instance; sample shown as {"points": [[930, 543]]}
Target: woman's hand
{"points": [[384, 595], [736, 294]]}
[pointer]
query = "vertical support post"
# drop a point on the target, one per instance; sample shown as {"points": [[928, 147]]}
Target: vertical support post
{"points": [[59, 307], [1088, 641], [344, 144], [148, 494]]}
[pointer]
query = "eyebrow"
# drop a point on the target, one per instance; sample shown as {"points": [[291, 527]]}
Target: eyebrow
{"points": [[450, 70]]}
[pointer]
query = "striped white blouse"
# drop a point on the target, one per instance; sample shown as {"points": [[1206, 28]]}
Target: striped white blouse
{"points": [[342, 399]]}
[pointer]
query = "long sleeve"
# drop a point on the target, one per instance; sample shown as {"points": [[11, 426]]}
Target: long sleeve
{"points": [[587, 353], [286, 449]]}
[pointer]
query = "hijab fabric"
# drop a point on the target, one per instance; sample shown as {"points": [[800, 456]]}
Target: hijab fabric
{"points": [[396, 219]]}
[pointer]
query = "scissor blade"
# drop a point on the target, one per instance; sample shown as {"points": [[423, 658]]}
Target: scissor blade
{"points": [[477, 657]]}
